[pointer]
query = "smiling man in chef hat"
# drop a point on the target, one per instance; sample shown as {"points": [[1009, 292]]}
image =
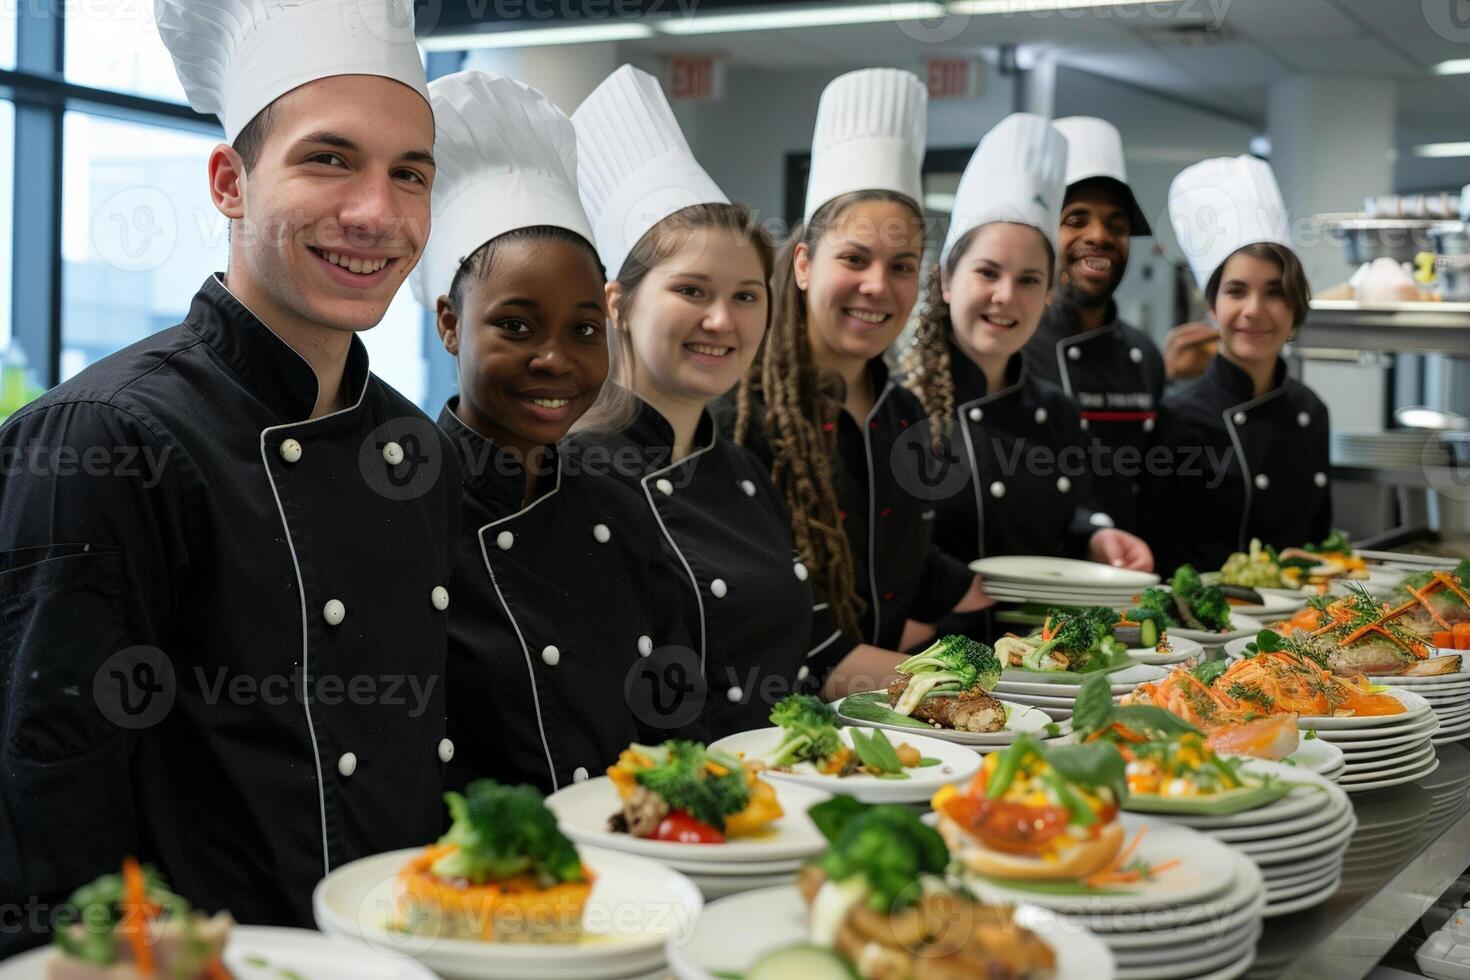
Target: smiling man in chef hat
{"points": [[231, 665], [1112, 370]]}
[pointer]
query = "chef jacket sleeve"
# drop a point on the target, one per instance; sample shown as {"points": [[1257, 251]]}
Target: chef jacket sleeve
{"points": [[91, 545], [943, 582]]}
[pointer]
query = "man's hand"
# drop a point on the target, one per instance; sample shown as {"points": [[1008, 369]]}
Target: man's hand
{"points": [[1109, 546], [1188, 349]]}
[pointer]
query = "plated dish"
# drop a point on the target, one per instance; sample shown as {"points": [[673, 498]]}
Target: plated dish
{"points": [[1357, 634], [682, 793], [1085, 641]]}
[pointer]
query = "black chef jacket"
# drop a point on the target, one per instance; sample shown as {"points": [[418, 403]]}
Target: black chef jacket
{"points": [[223, 622], [882, 469], [729, 535], [1243, 467], [558, 601], [1115, 374], [1022, 450]]}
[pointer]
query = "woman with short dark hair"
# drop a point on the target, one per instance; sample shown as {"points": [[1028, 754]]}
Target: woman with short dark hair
{"points": [[1248, 444]]}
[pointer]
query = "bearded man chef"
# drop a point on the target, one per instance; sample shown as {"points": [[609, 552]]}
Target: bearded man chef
{"points": [[225, 640], [1112, 370]]}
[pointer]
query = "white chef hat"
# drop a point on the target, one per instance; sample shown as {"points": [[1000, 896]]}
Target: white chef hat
{"points": [[235, 57], [869, 136], [634, 167], [1095, 152], [1016, 174], [506, 159], [1220, 205]]}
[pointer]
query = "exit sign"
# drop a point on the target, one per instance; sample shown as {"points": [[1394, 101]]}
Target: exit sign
{"points": [[954, 78], [696, 78]]}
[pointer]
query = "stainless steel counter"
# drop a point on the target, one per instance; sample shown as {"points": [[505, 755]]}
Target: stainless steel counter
{"points": [[1423, 327], [1411, 845]]}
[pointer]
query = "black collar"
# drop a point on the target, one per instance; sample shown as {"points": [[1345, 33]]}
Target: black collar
{"points": [[835, 388], [1223, 373], [653, 433], [969, 380], [493, 473], [1062, 319], [265, 364]]}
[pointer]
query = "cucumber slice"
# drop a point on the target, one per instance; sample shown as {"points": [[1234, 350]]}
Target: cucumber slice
{"points": [[1148, 631], [801, 962]]}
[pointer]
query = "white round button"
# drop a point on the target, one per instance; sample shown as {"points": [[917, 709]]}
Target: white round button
{"points": [[748, 487], [1084, 425], [976, 415], [1304, 419], [1148, 425], [645, 646], [1240, 418], [734, 695], [580, 776], [1135, 355], [717, 588], [665, 487], [800, 571], [440, 598], [1320, 479], [551, 656], [334, 612], [1074, 354], [392, 453], [1063, 484], [997, 489], [1040, 416], [505, 540], [291, 450], [347, 765], [446, 750], [601, 533], [803, 673], [1262, 481]]}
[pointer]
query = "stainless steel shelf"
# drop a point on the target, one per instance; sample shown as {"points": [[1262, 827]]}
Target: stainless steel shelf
{"points": [[1417, 327]]}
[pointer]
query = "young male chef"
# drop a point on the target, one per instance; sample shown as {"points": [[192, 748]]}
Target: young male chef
{"points": [[1112, 370], [223, 559]]}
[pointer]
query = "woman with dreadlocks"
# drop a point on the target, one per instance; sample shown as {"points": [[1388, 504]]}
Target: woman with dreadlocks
{"points": [[845, 442], [689, 304], [1019, 437]]}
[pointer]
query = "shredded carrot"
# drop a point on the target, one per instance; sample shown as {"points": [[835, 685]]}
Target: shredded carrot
{"points": [[1453, 584], [215, 970], [1114, 871], [1128, 850], [135, 910], [1047, 630]]}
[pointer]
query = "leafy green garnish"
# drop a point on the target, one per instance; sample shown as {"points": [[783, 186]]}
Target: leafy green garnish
{"points": [[888, 846], [504, 831]]}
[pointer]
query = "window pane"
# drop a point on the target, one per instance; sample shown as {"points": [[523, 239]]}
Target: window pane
{"points": [[8, 12], [396, 347], [139, 233], [114, 45], [7, 201]]}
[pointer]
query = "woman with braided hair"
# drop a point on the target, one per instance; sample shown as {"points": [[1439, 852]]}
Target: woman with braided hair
{"points": [[820, 408], [1018, 437]]}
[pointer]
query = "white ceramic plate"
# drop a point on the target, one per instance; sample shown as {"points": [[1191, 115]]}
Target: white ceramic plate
{"points": [[1241, 626], [956, 764], [1318, 756], [1417, 562], [1228, 973], [734, 932], [1019, 718], [1308, 843], [582, 810], [1368, 738], [1206, 931], [1249, 836], [1415, 708], [1181, 649], [1388, 781], [1310, 795], [1271, 606], [1061, 682], [1307, 867], [635, 907], [719, 886], [1245, 944], [1460, 680], [1310, 900], [1204, 873], [308, 954], [1370, 756], [1246, 888], [1045, 570], [1391, 766]]}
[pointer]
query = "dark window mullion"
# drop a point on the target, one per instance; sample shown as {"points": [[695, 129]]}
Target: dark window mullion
{"points": [[36, 255]]}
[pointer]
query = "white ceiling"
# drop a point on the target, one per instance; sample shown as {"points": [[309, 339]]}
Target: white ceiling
{"points": [[1221, 54]]}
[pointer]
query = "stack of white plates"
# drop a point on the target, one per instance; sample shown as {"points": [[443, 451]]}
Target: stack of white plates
{"points": [[1448, 694], [1060, 581], [1181, 648], [951, 764], [635, 909], [735, 932], [1323, 758], [737, 865], [1382, 750], [1390, 831], [1298, 841], [1404, 449], [1408, 561], [1196, 921], [1020, 719], [1057, 694]]}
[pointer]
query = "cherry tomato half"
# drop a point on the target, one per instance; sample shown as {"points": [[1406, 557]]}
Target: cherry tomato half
{"points": [[680, 828]]}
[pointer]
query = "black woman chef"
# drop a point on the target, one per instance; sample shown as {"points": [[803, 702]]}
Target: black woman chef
{"points": [[1019, 436], [1249, 443], [1111, 369], [555, 569], [225, 640]]}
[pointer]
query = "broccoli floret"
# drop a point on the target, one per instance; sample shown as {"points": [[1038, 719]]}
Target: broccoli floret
{"points": [[1337, 542], [951, 665], [504, 831], [1076, 638], [1207, 603], [709, 786], [891, 848], [1155, 603], [809, 729]]}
